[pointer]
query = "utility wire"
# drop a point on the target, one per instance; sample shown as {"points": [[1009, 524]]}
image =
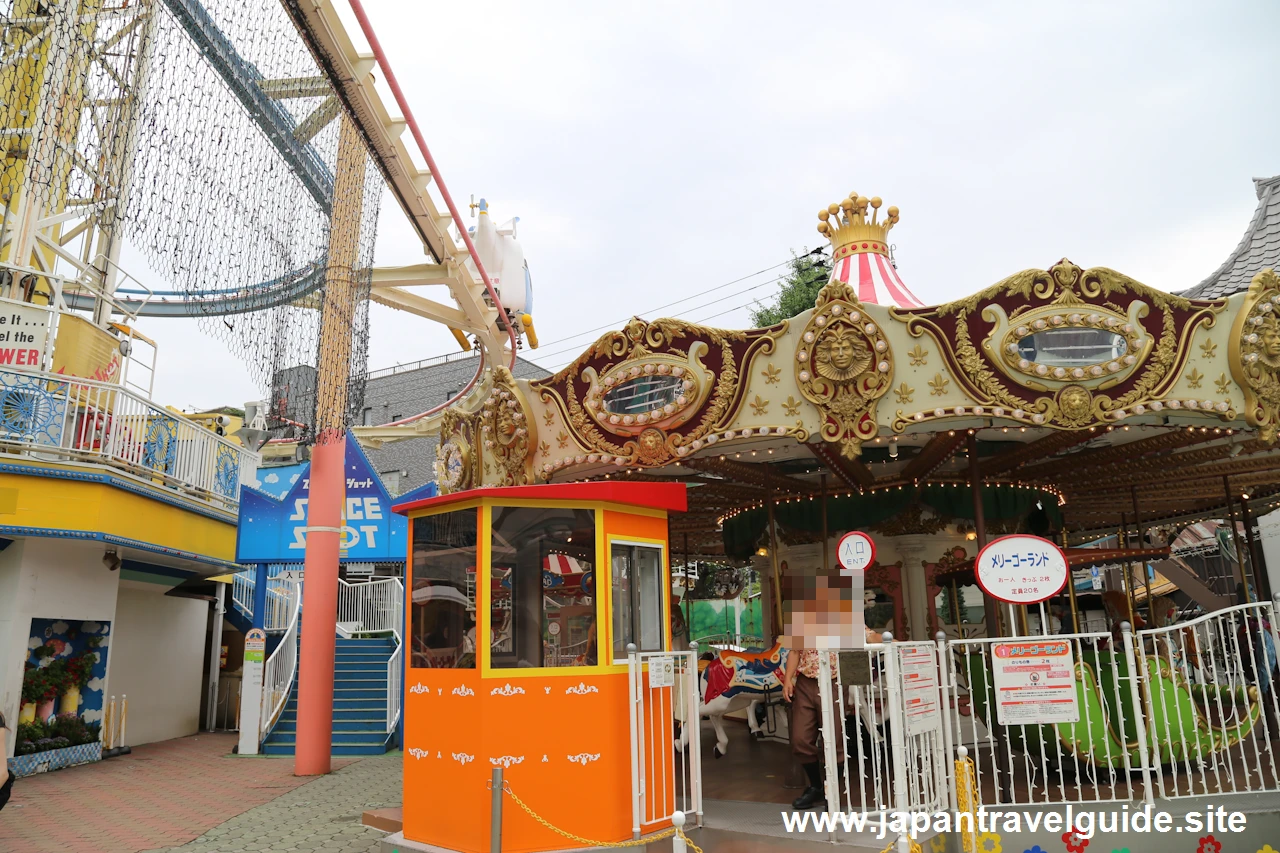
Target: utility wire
{"points": [[822, 274], [616, 323]]}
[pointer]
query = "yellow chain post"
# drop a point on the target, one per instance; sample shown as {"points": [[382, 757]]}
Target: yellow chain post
{"points": [[591, 842], [967, 796]]}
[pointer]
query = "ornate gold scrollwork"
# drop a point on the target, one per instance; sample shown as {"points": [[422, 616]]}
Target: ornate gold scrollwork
{"points": [[1144, 365], [455, 458], [509, 430], [643, 365], [843, 366], [1255, 353]]}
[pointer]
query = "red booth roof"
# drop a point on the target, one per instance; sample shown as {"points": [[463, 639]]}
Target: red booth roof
{"points": [[664, 496]]}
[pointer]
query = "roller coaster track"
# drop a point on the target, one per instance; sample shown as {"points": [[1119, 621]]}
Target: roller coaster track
{"points": [[348, 72]]}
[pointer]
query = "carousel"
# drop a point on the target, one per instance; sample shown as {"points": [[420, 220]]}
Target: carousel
{"points": [[1071, 403]]}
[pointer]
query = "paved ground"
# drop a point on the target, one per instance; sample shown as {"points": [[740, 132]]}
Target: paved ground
{"points": [[190, 794]]}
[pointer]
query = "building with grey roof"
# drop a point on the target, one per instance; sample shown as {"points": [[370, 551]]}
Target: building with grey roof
{"points": [[407, 389], [1258, 250]]}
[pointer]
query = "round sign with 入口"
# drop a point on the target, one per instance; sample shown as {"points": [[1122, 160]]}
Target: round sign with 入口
{"points": [[855, 552], [1021, 569]]}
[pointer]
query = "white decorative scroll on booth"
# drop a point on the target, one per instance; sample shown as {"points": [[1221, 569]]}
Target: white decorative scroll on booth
{"points": [[1021, 569]]}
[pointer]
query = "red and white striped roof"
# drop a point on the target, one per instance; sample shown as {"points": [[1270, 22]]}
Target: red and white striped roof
{"points": [[873, 279]]}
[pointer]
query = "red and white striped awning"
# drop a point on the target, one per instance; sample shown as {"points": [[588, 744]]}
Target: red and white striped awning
{"points": [[560, 564], [874, 279]]}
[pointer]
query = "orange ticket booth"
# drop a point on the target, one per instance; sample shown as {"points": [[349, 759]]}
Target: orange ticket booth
{"points": [[522, 602]]}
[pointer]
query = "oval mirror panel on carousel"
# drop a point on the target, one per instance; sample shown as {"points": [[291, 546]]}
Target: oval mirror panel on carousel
{"points": [[1073, 347], [643, 395], [1021, 569]]}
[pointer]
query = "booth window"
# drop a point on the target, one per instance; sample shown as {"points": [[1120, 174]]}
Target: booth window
{"points": [[637, 598], [443, 625], [543, 610]]}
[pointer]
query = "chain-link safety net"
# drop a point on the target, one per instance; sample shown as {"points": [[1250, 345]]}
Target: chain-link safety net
{"points": [[201, 135]]}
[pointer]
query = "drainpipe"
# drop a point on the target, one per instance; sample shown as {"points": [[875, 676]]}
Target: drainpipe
{"points": [[215, 656]]}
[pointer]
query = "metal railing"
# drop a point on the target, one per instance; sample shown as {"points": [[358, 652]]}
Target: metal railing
{"points": [[1209, 692], [1182, 710], [377, 607], [64, 418], [895, 752], [666, 749], [243, 586], [279, 598], [395, 675], [373, 607], [281, 669]]}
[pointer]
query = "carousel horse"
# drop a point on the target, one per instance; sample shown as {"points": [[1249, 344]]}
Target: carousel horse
{"points": [[730, 681]]}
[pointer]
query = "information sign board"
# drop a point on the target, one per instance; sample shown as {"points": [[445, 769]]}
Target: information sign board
{"points": [[1035, 682], [919, 689]]}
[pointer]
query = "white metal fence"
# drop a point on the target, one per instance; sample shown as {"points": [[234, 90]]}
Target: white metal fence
{"points": [[1182, 710], [395, 675], [61, 418], [243, 586], [887, 698], [1097, 759], [281, 669], [279, 600], [373, 607], [1210, 700], [666, 752], [377, 607]]}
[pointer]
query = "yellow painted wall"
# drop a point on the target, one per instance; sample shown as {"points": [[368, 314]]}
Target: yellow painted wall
{"points": [[33, 501]]}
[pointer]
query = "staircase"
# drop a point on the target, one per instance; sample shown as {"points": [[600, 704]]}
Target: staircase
{"points": [[359, 702]]}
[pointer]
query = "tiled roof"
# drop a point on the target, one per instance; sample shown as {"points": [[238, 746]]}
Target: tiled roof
{"points": [[1259, 249]]}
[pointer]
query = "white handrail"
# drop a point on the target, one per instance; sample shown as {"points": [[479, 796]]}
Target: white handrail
{"points": [[395, 670], [243, 585], [374, 607], [80, 419], [281, 670]]}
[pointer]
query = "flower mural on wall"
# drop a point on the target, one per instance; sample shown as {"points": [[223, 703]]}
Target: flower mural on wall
{"points": [[989, 842], [78, 652], [1075, 843], [1209, 844]]}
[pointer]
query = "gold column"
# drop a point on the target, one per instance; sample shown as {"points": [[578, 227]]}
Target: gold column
{"points": [[778, 625], [826, 555], [1071, 586], [1122, 540], [1235, 538]]}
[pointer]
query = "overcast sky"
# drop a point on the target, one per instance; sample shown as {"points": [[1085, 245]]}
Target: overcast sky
{"points": [[653, 151]]}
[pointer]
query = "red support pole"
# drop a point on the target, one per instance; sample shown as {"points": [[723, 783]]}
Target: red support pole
{"points": [[320, 609]]}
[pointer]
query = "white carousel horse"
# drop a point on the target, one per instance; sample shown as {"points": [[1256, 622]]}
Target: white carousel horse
{"points": [[729, 681]]}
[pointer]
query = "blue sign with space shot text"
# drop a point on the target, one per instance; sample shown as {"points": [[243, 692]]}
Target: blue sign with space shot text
{"points": [[273, 518]]}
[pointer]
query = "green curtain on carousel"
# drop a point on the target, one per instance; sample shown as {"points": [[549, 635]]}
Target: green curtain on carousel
{"points": [[744, 532]]}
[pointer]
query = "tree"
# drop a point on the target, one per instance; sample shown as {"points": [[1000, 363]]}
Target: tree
{"points": [[806, 275]]}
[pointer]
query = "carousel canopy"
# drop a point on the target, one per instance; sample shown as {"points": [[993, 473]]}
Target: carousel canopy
{"points": [[1097, 401]]}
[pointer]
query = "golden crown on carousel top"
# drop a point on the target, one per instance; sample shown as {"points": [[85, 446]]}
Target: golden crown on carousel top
{"points": [[853, 226]]}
